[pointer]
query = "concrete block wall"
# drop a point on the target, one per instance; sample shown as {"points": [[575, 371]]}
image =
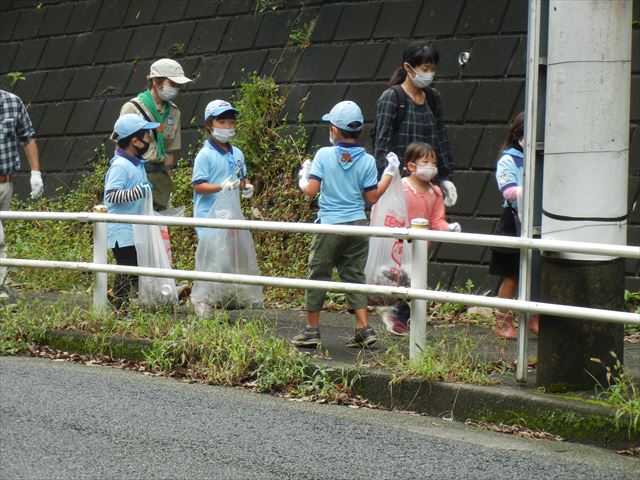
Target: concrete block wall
{"points": [[82, 59]]}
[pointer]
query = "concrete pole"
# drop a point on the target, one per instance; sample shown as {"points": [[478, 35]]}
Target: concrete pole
{"points": [[585, 183]]}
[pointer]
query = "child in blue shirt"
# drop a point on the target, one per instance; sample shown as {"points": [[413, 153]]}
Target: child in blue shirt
{"points": [[125, 186], [218, 165], [344, 175], [506, 261]]}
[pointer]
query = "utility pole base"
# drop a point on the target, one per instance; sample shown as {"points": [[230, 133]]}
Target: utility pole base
{"points": [[567, 345]]}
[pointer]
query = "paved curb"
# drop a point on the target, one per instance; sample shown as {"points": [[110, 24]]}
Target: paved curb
{"points": [[574, 420]]}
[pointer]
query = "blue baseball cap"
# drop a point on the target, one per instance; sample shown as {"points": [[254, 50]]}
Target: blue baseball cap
{"points": [[346, 116], [217, 108], [130, 123]]}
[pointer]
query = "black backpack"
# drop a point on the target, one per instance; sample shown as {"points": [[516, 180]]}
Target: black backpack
{"points": [[401, 110]]}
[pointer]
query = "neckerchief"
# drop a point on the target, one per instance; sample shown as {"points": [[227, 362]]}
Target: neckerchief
{"points": [[147, 99]]}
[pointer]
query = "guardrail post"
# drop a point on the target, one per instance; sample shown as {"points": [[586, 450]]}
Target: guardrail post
{"points": [[99, 256], [419, 259]]}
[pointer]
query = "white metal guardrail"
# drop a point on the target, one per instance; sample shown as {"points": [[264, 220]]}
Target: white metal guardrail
{"points": [[417, 293]]}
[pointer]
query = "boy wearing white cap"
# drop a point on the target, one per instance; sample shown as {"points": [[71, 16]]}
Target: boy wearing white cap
{"points": [[165, 80], [344, 175], [218, 165], [125, 186]]}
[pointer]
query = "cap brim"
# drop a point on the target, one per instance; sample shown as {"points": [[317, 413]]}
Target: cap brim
{"points": [[150, 126], [180, 80], [326, 117], [217, 113]]}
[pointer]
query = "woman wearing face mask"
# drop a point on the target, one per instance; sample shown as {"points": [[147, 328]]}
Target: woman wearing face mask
{"points": [[424, 199], [166, 78], [218, 165], [410, 110]]}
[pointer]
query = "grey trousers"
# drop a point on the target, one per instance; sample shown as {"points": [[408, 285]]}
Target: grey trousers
{"points": [[6, 192]]}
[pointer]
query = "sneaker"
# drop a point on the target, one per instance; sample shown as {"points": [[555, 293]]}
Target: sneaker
{"points": [[363, 337], [184, 291], [6, 299], [309, 337], [504, 327], [393, 324]]}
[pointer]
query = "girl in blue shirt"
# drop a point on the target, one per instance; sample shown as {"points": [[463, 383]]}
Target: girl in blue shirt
{"points": [[506, 261]]}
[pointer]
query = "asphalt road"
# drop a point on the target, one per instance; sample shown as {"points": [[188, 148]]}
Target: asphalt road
{"points": [[60, 420]]}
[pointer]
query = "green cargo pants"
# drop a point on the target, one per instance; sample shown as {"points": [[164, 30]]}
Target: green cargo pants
{"points": [[348, 255]]}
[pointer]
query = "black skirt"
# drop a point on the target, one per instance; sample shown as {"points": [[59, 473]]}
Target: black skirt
{"points": [[506, 261]]}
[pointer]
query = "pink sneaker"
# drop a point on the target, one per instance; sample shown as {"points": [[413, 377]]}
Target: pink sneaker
{"points": [[392, 324]]}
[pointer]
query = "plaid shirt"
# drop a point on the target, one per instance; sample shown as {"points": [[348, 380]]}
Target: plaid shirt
{"points": [[420, 124], [15, 126]]}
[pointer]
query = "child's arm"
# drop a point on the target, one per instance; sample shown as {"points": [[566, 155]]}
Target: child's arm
{"points": [[309, 185], [392, 169], [205, 188], [121, 195]]}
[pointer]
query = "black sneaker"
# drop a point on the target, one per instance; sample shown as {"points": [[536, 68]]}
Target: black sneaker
{"points": [[363, 337], [309, 337]]}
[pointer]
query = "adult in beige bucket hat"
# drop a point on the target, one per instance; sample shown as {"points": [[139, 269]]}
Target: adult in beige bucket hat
{"points": [[165, 80]]}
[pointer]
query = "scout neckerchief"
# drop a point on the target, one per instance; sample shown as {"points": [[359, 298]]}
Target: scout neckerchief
{"points": [[147, 99]]}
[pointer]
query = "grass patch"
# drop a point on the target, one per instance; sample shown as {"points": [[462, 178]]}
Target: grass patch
{"points": [[451, 359], [216, 351]]}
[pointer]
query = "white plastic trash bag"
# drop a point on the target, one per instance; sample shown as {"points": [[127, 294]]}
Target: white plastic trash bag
{"points": [[226, 251], [151, 252], [389, 260]]}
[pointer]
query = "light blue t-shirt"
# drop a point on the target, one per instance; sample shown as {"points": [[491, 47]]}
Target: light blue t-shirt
{"points": [[214, 165], [344, 171], [509, 172], [125, 172]]}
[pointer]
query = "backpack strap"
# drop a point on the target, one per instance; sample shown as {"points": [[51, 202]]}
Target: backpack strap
{"points": [[144, 115], [401, 110]]}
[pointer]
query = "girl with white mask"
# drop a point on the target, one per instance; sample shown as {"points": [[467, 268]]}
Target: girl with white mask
{"points": [[424, 199], [165, 80], [219, 165], [410, 110]]}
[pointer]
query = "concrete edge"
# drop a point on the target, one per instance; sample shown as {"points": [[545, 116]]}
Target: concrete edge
{"points": [[574, 420]]}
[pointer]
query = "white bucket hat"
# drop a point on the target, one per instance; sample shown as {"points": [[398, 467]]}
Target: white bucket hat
{"points": [[167, 68]]}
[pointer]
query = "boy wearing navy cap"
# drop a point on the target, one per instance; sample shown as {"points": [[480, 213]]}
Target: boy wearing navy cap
{"points": [[125, 185], [344, 175], [218, 165]]}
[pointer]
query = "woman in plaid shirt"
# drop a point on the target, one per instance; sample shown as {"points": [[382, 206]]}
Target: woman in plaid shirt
{"points": [[422, 118]]}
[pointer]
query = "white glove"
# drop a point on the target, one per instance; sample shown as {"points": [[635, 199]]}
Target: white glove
{"points": [[36, 184], [303, 174], [455, 227], [450, 193], [229, 184], [247, 191], [393, 164]]}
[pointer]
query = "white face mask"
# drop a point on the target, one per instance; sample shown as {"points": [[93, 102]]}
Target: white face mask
{"points": [[422, 79], [521, 143], [223, 135], [332, 140], [426, 173], [168, 93]]}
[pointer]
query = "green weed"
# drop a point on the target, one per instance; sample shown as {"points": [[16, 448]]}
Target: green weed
{"points": [[622, 394]]}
